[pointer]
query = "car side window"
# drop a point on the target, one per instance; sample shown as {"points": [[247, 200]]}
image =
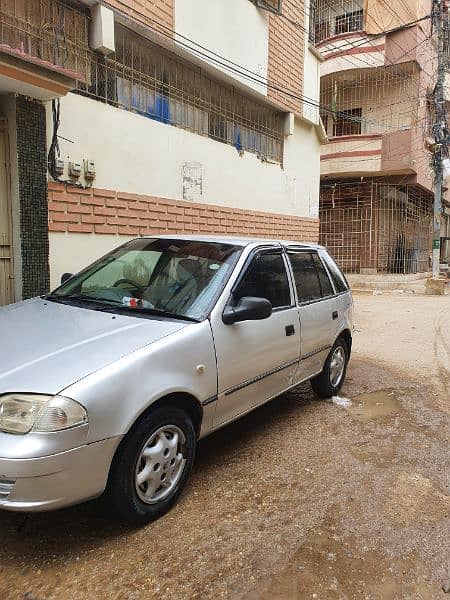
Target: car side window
{"points": [[306, 277], [266, 277], [337, 277], [324, 280]]}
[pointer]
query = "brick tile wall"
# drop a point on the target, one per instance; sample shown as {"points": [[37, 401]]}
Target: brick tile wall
{"points": [[150, 12], [75, 210], [286, 50]]}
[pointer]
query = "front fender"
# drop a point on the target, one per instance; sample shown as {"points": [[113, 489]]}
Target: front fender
{"points": [[116, 395]]}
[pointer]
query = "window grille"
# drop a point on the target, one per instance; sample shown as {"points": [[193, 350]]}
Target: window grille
{"points": [[370, 101], [334, 17], [386, 227], [349, 22], [146, 79], [47, 30], [348, 122]]}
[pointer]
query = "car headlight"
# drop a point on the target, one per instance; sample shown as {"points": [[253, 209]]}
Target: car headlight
{"points": [[21, 413]]}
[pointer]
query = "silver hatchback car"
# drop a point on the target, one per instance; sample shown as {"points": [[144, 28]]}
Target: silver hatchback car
{"points": [[107, 383]]}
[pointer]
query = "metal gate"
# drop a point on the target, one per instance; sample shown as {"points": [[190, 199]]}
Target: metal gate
{"points": [[6, 266], [381, 227]]}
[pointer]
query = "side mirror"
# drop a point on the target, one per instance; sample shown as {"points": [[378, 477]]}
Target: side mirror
{"points": [[248, 308], [65, 277]]}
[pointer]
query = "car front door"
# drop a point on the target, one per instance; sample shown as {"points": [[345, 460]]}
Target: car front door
{"points": [[318, 311], [257, 360]]}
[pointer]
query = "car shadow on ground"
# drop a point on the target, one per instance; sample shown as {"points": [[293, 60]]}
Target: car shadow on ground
{"points": [[58, 536]]}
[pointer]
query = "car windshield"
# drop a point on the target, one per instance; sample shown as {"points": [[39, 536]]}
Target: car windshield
{"points": [[178, 278]]}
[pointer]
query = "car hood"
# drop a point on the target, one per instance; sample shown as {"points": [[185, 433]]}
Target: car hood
{"points": [[46, 346]]}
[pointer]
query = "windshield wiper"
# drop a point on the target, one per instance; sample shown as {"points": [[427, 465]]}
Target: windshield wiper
{"points": [[157, 311], [117, 305], [84, 298]]}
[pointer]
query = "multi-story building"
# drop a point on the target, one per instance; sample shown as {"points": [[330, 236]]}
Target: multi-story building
{"points": [[377, 79], [123, 118]]}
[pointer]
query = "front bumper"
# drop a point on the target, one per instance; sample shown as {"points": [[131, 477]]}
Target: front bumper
{"points": [[50, 482]]}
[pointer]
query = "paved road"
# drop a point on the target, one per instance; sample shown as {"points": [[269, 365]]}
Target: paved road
{"points": [[301, 499]]}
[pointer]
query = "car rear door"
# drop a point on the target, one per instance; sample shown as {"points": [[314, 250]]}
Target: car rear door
{"points": [[318, 310], [257, 360]]}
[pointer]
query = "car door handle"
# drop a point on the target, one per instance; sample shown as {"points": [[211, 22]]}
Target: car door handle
{"points": [[335, 314], [290, 330]]}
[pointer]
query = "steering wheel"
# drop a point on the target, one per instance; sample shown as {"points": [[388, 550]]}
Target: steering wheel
{"points": [[141, 288]]}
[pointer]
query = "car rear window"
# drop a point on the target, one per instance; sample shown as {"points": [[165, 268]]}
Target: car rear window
{"points": [[339, 281]]}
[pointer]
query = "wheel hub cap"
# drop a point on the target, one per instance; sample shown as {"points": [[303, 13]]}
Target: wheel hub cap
{"points": [[160, 464], [337, 366]]}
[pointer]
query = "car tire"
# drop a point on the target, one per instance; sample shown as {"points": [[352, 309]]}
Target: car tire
{"points": [[159, 449], [330, 380]]}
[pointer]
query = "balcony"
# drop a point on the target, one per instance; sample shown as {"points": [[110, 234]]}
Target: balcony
{"points": [[44, 47], [368, 116], [331, 19]]}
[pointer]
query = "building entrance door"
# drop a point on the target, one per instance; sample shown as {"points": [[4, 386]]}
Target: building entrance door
{"points": [[6, 263]]}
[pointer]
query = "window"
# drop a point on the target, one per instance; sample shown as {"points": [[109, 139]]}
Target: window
{"points": [[270, 5], [352, 21], [266, 278], [143, 77], [324, 280], [321, 31], [311, 279], [182, 277], [348, 122], [337, 277]]}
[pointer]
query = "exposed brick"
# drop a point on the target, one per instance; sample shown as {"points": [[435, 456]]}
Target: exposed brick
{"points": [[175, 210], [116, 203], [57, 227], [126, 218], [101, 210], [65, 197], [80, 228], [129, 230], [79, 190], [53, 185], [57, 206], [97, 200], [104, 193], [79, 209], [63, 218], [93, 219]]}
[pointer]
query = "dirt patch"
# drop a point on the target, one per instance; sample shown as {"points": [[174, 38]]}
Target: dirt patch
{"points": [[415, 499]]}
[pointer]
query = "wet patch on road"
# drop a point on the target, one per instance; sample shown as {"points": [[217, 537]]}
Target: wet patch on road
{"points": [[375, 405], [331, 566]]}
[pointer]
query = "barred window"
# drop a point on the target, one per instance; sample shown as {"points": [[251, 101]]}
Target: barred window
{"points": [[144, 78], [348, 122], [352, 21]]}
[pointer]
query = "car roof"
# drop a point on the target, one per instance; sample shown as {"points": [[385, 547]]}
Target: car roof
{"points": [[235, 241]]}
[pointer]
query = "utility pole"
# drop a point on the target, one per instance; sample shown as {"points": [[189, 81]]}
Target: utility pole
{"points": [[439, 129]]}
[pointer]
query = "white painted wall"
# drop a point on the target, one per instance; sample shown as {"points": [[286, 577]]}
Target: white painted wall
{"points": [[311, 75], [135, 154], [236, 30], [69, 253]]}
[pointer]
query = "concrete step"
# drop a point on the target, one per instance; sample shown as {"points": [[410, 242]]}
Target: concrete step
{"points": [[415, 283]]}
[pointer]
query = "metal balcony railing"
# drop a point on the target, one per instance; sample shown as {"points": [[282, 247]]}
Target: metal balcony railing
{"points": [[334, 17], [47, 33]]}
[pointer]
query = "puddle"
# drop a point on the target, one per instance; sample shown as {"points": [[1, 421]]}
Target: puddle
{"points": [[374, 405]]}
